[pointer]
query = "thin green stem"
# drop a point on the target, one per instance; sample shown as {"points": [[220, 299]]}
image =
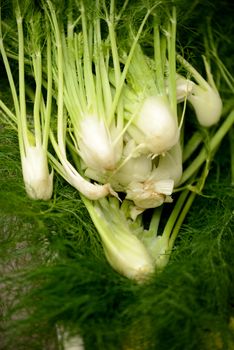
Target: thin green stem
{"points": [[209, 75], [37, 101], [155, 220], [79, 70], [102, 69], [12, 87], [8, 116], [16, 57], [214, 142], [74, 91], [174, 214], [87, 61], [22, 122], [225, 74], [180, 220], [163, 50], [211, 48], [60, 111], [196, 190], [192, 145], [231, 139], [115, 55], [127, 63], [56, 164], [46, 128], [158, 60], [171, 39], [200, 80], [97, 58], [116, 62], [119, 15], [8, 112]]}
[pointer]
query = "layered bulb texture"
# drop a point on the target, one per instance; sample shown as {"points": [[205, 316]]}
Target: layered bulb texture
{"points": [[96, 146], [201, 94], [38, 181], [157, 125]]}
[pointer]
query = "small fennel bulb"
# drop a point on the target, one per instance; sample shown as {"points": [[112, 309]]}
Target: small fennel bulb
{"points": [[38, 181], [32, 130], [203, 95], [207, 104]]}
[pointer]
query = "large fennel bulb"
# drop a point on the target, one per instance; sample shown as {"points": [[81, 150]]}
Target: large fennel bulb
{"points": [[95, 144], [123, 249], [157, 124]]}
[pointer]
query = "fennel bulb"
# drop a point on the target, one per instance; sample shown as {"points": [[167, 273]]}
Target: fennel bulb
{"points": [[134, 169], [151, 108], [95, 144], [157, 124], [203, 95], [38, 181], [33, 132], [123, 249], [128, 255], [207, 104]]}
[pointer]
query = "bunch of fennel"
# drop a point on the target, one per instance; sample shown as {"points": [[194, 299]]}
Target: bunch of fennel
{"points": [[118, 130]]}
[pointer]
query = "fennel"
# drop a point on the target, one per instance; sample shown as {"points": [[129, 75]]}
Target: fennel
{"points": [[33, 142]]}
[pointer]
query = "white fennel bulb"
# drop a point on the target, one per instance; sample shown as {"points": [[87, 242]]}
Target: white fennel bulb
{"points": [[207, 104], [38, 181], [135, 169], [95, 144], [158, 124], [203, 95], [128, 255], [124, 251]]}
